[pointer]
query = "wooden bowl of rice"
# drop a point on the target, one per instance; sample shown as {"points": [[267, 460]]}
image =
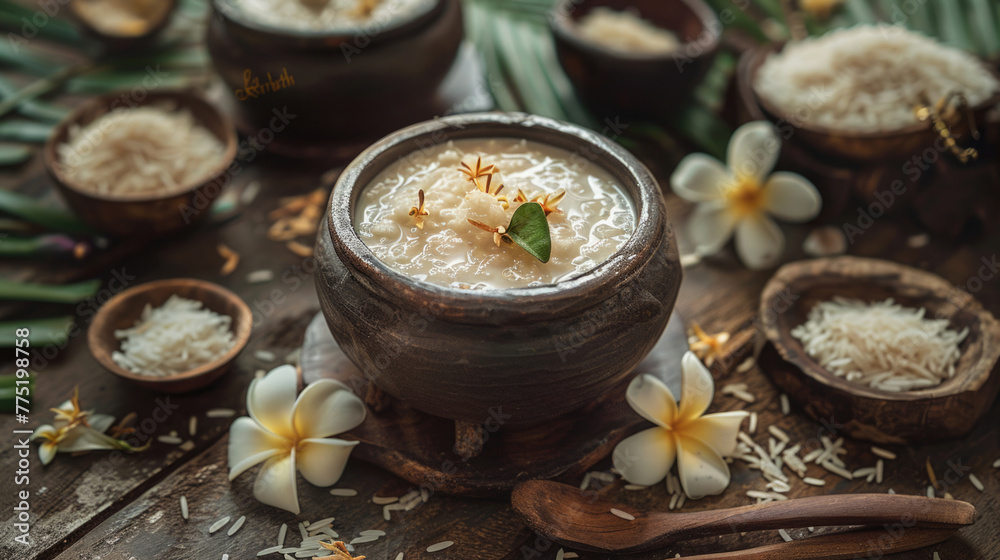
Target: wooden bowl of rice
{"points": [[797, 120], [125, 309], [946, 410], [119, 157]]}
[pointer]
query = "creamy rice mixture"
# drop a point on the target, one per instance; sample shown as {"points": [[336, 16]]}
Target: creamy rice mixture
{"points": [[321, 15], [595, 219]]}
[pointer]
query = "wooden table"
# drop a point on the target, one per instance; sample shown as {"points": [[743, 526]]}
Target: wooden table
{"points": [[96, 506]]}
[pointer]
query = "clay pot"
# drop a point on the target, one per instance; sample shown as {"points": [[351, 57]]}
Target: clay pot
{"points": [[525, 355], [348, 86], [612, 83]]}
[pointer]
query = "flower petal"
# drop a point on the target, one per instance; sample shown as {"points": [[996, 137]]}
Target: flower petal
{"points": [[325, 408], [700, 178], [710, 227], [792, 197], [646, 457], [759, 242], [697, 388], [753, 150], [275, 483], [100, 422], [652, 399], [47, 431], [271, 399], [701, 470], [249, 444], [82, 438], [322, 461], [718, 430], [46, 452]]}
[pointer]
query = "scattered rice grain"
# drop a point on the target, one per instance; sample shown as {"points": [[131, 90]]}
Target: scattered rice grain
{"points": [[344, 492], [624, 515], [784, 535], [184, 508], [236, 526], [439, 546], [883, 453], [976, 482], [218, 525]]}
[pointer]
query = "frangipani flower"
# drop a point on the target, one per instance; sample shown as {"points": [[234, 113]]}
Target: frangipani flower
{"points": [[743, 197], [75, 430], [286, 433], [683, 432]]}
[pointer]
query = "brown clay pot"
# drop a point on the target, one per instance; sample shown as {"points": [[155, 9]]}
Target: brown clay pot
{"points": [[349, 85], [530, 354], [144, 215], [612, 83]]}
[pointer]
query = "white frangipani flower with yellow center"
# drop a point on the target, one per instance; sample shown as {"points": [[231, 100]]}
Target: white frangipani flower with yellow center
{"points": [[698, 442], [74, 430], [742, 196], [289, 433]]}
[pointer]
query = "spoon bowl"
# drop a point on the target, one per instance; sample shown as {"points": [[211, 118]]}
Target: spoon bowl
{"points": [[576, 519]]}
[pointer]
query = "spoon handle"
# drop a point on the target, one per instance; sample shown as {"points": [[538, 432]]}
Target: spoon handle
{"points": [[868, 543], [894, 510]]}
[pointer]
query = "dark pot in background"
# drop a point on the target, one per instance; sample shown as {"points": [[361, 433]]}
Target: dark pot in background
{"points": [[537, 353], [611, 83], [335, 88]]}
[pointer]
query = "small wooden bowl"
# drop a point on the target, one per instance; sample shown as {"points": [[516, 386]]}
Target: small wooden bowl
{"points": [[154, 23], [856, 147], [614, 83], [948, 410], [147, 215], [123, 310]]}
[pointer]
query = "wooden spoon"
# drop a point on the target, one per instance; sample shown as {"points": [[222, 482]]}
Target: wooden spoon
{"points": [[580, 520]]}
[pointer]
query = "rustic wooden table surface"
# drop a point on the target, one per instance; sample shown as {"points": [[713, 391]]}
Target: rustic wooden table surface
{"points": [[99, 506]]}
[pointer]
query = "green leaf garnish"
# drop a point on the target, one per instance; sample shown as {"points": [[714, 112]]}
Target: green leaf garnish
{"points": [[529, 228]]}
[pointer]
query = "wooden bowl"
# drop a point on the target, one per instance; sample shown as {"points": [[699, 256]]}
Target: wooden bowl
{"points": [[856, 147], [356, 84], [123, 310], [528, 354], [613, 83], [89, 13], [946, 411], [146, 215]]}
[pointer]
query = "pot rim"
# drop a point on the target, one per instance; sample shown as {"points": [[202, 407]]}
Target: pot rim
{"points": [[562, 26], [501, 305], [326, 38]]}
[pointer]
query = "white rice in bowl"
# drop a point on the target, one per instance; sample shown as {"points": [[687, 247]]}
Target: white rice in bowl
{"points": [[176, 337], [155, 149], [626, 32], [868, 79], [881, 344]]}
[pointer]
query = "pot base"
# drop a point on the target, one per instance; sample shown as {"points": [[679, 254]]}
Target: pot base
{"points": [[421, 448]]}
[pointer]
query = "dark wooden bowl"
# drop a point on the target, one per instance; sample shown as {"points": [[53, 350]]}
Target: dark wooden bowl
{"points": [[859, 147], [146, 215], [946, 411], [355, 84], [123, 41], [529, 354], [613, 83], [123, 310]]}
